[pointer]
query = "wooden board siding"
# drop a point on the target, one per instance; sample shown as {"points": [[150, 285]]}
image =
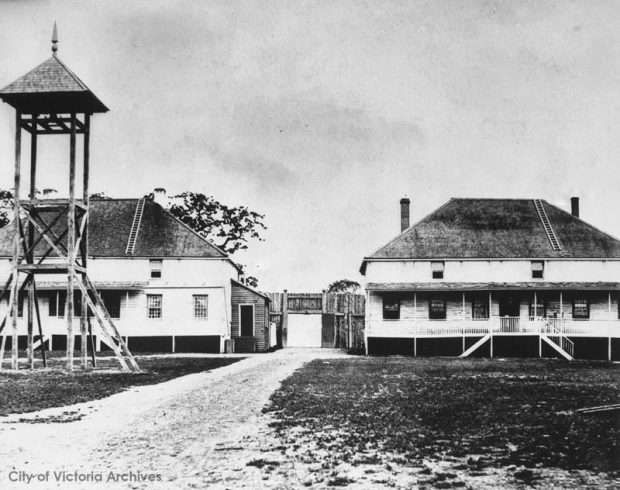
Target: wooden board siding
{"points": [[241, 295]]}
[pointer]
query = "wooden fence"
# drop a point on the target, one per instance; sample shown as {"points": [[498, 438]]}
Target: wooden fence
{"points": [[342, 316]]}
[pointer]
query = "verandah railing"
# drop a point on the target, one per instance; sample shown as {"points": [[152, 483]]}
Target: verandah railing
{"points": [[550, 326]]}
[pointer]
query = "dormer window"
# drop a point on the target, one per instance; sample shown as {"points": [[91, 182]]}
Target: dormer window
{"points": [[155, 269], [538, 269], [437, 268]]}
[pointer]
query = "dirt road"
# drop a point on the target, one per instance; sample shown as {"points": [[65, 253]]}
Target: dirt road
{"points": [[200, 430]]}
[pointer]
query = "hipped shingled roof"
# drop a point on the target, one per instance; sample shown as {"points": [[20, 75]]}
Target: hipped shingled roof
{"points": [[159, 235], [496, 228], [51, 87]]}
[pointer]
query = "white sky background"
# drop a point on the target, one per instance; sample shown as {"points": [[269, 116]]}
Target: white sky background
{"points": [[322, 115]]}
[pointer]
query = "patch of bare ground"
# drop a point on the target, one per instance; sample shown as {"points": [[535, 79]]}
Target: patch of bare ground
{"points": [[444, 423]]}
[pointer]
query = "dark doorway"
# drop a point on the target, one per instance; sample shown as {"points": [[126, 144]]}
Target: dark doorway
{"points": [[328, 331], [509, 305], [246, 320]]}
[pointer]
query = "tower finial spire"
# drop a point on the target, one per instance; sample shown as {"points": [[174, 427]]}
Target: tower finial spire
{"points": [[55, 39]]}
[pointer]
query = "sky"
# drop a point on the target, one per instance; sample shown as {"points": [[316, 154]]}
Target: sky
{"points": [[323, 114]]}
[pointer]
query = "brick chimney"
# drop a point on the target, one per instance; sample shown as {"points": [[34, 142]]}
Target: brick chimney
{"points": [[574, 206], [159, 196], [404, 213]]}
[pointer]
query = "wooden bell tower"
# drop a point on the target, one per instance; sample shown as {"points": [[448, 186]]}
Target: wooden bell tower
{"points": [[51, 235]]}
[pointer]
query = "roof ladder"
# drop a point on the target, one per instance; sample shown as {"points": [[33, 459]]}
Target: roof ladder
{"points": [[135, 226], [542, 214]]}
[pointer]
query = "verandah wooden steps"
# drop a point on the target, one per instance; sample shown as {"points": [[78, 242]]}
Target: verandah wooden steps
{"points": [[549, 334]]}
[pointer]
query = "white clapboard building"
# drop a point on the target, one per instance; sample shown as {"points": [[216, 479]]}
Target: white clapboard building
{"points": [[166, 287], [515, 277]]}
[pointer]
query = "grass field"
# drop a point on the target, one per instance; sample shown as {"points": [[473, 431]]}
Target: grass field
{"points": [[27, 391], [475, 415]]}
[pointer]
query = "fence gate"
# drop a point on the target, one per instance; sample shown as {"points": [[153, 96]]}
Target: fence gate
{"points": [[318, 319]]}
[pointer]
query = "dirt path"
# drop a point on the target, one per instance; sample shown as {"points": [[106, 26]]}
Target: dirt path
{"points": [[191, 432]]}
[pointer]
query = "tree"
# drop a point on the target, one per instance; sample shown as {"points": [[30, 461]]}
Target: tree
{"points": [[99, 195], [6, 204], [343, 286], [229, 228]]}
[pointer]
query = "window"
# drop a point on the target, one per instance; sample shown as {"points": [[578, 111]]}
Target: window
{"points": [[153, 305], [581, 308], [437, 268], [112, 302], [480, 308], [537, 309], [391, 307], [437, 308], [56, 305], [201, 304], [155, 268], [538, 269]]}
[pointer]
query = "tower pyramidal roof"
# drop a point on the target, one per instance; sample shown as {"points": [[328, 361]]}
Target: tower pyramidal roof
{"points": [[51, 87]]}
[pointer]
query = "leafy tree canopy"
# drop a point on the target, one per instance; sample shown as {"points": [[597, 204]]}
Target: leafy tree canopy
{"points": [[229, 228], [343, 286]]}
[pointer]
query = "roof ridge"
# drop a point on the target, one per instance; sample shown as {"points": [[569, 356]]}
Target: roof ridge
{"points": [[70, 72], [581, 221]]}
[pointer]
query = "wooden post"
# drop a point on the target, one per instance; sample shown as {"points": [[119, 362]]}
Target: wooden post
{"points": [[350, 325], [415, 324], [71, 246], [90, 336], [609, 326], [16, 237], [463, 327], [30, 339], [36, 307], [84, 323], [367, 320], [539, 344], [284, 318], [30, 257]]}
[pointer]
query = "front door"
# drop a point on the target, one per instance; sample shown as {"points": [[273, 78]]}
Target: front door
{"points": [[509, 312], [246, 320]]}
